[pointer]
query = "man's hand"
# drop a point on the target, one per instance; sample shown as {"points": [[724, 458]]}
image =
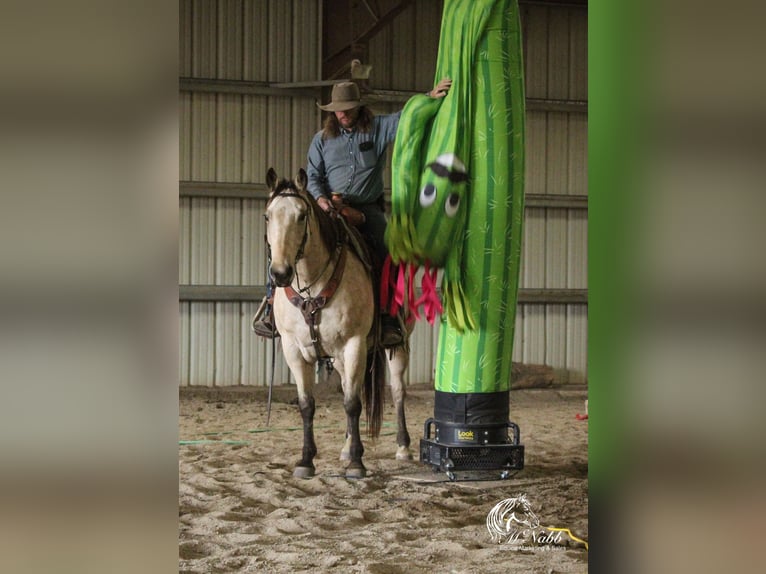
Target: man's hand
{"points": [[441, 89], [325, 204]]}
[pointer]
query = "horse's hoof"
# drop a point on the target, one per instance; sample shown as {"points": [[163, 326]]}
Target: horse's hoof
{"points": [[403, 453], [303, 472], [356, 473]]}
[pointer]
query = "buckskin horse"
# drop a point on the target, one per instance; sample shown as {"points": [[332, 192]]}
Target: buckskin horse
{"points": [[325, 310]]}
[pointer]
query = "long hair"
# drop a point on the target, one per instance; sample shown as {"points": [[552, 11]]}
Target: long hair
{"points": [[331, 127]]}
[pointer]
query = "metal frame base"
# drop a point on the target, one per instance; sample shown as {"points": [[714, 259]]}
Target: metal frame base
{"points": [[472, 451]]}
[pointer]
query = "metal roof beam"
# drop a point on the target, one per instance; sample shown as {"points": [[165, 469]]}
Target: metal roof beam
{"points": [[337, 63]]}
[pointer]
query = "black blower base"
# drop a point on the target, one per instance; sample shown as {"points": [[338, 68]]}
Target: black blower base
{"points": [[469, 439]]}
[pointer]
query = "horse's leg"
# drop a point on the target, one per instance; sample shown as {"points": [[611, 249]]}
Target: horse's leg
{"points": [[303, 373], [305, 466], [355, 468], [353, 378], [345, 452], [397, 365]]}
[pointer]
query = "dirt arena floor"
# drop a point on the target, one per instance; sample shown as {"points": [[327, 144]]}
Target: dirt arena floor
{"points": [[241, 510]]}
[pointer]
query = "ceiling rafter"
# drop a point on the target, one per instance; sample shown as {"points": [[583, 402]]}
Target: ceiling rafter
{"points": [[337, 63]]}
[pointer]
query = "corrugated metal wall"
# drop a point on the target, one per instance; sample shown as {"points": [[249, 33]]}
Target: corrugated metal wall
{"points": [[555, 239], [232, 138]]}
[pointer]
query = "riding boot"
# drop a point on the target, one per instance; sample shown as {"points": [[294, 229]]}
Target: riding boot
{"points": [[265, 326], [391, 334]]}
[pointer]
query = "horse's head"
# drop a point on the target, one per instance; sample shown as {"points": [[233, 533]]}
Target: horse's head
{"points": [[287, 224], [519, 510]]}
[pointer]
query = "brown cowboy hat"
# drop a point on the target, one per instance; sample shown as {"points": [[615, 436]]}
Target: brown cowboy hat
{"points": [[345, 96]]}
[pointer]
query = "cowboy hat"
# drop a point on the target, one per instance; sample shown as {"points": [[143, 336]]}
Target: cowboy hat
{"points": [[345, 96]]}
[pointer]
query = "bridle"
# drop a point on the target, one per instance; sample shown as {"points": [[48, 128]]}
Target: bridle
{"points": [[311, 306], [302, 246]]}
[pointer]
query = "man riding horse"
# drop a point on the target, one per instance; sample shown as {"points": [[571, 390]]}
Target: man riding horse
{"points": [[345, 175]]}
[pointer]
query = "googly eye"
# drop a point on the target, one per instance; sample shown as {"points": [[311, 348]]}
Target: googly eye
{"points": [[428, 194], [452, 204]]}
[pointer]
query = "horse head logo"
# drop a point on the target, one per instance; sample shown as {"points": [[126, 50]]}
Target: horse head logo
{"points": [[510, 515], [519, 511]]}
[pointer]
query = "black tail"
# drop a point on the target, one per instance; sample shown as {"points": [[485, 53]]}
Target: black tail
{"points": [[374, 390]]}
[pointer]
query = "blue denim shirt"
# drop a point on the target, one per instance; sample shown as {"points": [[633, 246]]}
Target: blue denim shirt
{"points": [[352, 163]]}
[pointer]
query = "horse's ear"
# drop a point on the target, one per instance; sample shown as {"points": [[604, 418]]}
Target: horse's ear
{"points": [[271, 178], [301, 179]]}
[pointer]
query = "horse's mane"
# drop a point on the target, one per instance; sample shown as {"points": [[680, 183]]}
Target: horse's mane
{"points": [[329, 229]]}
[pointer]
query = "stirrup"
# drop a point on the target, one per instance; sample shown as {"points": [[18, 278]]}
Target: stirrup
{"points": [[265, 328], [391, 332]]}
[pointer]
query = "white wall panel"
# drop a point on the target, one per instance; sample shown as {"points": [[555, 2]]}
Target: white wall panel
{"points": [[230, 41], [557, 153], [555, 337], [254, 250], [185, 143], [578, 55], [304, 125], [228, 241], [228, 146], [255, 26], [577, 155], [184, 278], [558, 54], [203, 247], [184, 337], [255, 114], [422, 352], [184, 241], [204, 38], [535, 153], [278, 138], [554, 257], [577, 343], [227, 348], [228, 270], [555, 249], [577, 250], [533, 249], [280, 41], [306, 60], [202, 325], [203, 136], [533, 333], [202, 344], [518, 337], [235, 138], [253, 350], [535, 38], [184, 38]]}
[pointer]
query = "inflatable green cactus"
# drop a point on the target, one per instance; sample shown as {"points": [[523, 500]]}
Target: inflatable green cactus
{"points": [[458, 191]]}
